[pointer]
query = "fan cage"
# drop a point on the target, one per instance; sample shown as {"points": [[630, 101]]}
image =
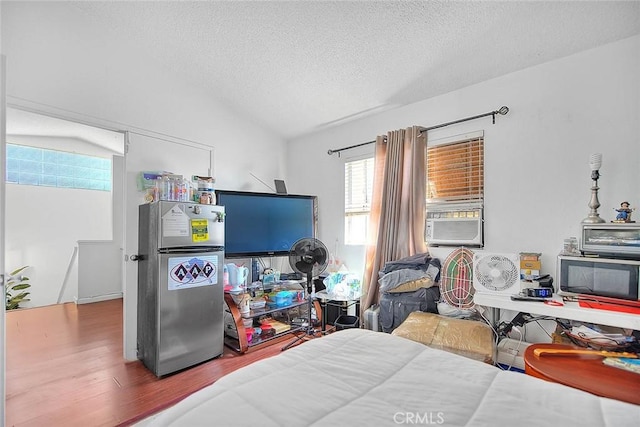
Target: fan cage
{"points": [[456, 282], [301, 247], [496, 273]]}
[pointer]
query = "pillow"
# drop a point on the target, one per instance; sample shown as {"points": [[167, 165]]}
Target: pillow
{"points": [[414, 285]]}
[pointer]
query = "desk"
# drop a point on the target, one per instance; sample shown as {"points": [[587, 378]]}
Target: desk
{"points": [[569, 311], [584, 372], [342, 303]]}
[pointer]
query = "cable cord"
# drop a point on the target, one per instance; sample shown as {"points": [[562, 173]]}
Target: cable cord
{"points": [[517, 351]]}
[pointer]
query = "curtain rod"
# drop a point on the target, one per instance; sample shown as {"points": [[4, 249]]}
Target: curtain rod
{"points": [[502, 111]]}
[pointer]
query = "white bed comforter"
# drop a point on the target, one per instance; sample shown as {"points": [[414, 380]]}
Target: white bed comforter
{"points": [[357, 377]]}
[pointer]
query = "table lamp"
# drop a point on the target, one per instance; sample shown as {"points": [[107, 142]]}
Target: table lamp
{"points": [[595, 162]]}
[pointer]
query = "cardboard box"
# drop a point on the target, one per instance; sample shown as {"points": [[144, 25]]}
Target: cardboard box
{"points": [[530, 256], [468, 338], [279, 326], [530, 265]]}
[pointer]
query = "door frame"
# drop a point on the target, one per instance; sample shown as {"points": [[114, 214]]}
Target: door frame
{"points": [[49, 111], [3, 164]]}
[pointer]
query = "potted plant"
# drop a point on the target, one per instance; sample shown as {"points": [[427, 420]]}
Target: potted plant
{"points": [[15, 289]]}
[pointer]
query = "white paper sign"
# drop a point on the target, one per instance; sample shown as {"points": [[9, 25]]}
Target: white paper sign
{"points": [[175, 223]]}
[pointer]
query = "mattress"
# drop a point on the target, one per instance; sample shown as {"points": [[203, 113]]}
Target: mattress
{"points": [[358, 377]]}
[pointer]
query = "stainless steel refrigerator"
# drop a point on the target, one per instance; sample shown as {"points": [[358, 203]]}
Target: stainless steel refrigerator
{"points": [[180, 285]]}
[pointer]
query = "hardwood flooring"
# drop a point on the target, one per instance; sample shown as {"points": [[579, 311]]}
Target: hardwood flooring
{"points": [[64, 367]]}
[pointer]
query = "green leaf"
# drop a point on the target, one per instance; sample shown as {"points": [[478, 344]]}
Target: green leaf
{"points": [[21, 295], [13, 273], [16, 282]]}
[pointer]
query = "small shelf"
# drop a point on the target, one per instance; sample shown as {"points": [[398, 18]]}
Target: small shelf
{"points": [[241, 344], [235, 343], [267, 310]]}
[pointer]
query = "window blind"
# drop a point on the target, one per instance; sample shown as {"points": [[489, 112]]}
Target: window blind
{"points": [[358, 180], [455, 171]]}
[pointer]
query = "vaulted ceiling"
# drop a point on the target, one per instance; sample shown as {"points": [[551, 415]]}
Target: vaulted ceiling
{"points": [[300, 66]]}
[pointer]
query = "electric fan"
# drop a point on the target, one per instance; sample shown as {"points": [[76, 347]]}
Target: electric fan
{"points": [[308, 256], [456, 283], [496, 273]]}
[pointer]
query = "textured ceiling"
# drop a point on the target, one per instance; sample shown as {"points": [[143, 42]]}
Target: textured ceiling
{"points": [[299, 66]]}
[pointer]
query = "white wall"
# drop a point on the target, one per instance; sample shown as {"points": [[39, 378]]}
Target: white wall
{"points": [[99, 271], [537, 177], [43, 226]]}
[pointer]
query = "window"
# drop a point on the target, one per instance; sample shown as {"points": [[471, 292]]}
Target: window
{"points": [[455, 170], [358, 181], [51, 168]]}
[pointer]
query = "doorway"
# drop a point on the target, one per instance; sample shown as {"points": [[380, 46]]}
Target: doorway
{"points": [[55, 204]]}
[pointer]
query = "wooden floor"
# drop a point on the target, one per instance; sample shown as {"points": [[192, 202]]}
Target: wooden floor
{"points": [[64, 367]]}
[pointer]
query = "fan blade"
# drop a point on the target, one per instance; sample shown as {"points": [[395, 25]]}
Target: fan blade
{"points": [[308, 256], [304, 267], [319, 255], [301, 249]]}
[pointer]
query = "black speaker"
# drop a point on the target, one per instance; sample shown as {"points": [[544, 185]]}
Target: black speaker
{"points": [[280, 187]]}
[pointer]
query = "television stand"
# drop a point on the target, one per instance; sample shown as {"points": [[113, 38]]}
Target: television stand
{"points": [[241, 344]]}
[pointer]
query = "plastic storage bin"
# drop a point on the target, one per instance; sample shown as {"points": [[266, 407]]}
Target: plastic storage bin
{"points": [[284, 298], [346, 322]]}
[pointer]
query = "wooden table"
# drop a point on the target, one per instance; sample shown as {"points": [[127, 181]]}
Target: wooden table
{"points": [[584, 372]]}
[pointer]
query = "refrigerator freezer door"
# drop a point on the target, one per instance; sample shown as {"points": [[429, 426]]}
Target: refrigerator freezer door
{"points": [[179, 225]]}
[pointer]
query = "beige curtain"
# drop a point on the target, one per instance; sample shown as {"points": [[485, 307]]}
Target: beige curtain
{"points": [[396, 221]]}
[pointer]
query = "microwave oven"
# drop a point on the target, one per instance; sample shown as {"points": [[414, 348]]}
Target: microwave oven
{"points": [[454, 224], [607, 277]]}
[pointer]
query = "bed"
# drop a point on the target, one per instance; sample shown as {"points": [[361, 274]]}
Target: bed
{"points": [[359, 377]]}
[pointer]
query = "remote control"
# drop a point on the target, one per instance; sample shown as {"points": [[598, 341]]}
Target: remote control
{"points": [[526, 298]]}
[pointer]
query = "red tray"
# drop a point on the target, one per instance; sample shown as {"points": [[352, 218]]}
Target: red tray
{"points": [[606, 303]]}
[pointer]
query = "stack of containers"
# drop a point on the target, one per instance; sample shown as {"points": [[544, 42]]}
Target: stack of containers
{"points": [[205, 194], [174, 188]]}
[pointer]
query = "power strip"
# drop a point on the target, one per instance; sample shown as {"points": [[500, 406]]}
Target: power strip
{"points": [[511, 353]]}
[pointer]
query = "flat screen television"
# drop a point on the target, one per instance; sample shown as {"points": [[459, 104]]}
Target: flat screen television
{"points": [[265, 224]]}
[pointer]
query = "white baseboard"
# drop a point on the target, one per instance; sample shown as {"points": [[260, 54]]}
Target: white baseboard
{"points": [[97, 298]]}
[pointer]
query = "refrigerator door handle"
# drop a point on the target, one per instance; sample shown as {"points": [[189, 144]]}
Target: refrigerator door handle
{"points": [[193, 250]]}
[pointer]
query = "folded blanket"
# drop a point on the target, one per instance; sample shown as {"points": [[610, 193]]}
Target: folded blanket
{"points": [[408, 280], [414, 262]]}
